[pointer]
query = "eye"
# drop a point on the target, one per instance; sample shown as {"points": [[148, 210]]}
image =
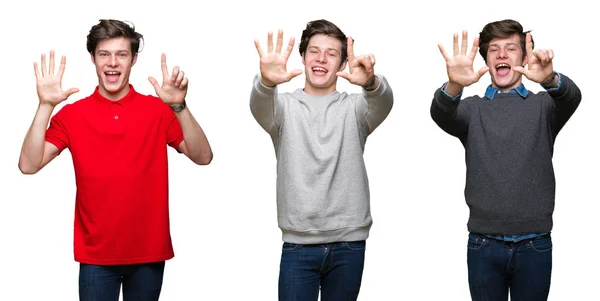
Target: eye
{"points": [[313, 51], [103, 54], [332, 55], [493, 50], [122, 55]]}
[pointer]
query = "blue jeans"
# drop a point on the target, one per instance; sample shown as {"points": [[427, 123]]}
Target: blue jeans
{"points": [[497, 267], [141, 282], [335, 268]]}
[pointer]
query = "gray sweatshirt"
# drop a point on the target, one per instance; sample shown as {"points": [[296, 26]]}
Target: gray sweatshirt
{"points": [[322, 184], [509, 143]]}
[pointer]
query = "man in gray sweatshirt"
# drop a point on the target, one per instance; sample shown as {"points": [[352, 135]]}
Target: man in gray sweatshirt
{"points": [[508, 137], [319, 136]]}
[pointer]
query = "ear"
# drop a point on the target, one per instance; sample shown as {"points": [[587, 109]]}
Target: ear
{"points": [[92, 57], [134, 59], [525, 61], [303, 62], [343, 65]]}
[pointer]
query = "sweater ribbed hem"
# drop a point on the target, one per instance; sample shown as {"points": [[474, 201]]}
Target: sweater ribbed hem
{"points": [[322, 237], [504, 227]]}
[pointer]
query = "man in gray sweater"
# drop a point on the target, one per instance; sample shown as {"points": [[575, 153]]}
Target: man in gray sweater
{"points": [[319, 136], [508, 137]]}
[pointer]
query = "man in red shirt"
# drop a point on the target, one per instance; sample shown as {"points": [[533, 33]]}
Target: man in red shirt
{"points": [[117, 138]]}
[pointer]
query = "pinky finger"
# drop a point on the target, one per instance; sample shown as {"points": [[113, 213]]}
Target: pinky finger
{"points": [[37, 72], [184, 83]]}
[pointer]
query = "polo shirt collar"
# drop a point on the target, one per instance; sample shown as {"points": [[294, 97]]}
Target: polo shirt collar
{"points": [[490, 92], [125, 100]]}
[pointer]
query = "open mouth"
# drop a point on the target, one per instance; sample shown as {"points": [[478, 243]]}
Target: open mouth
{"points": [[320, 71], [502, 69], [112, 76]]}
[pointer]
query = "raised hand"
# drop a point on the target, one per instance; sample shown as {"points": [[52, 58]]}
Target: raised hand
{"points": [[273, 63], [48, 84], [174, 86], [539, 62], [460, 65], [360, 67]]}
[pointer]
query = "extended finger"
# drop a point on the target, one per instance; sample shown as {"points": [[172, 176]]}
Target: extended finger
{"points": [[61, 68], [44, 67], [258, 49], [528, 45], [474, 49], [372, 56], [350, 49], [289, 48], [37, 72], [51, 65], [443, 52], [465, 40], [455, 44], [163, 65], [279, 41], [270, 42]]}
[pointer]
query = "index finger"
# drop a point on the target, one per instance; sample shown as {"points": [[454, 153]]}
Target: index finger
{"points": [[474, 49], [163, 65], [289, 48], [350, 49], [528, 45]]}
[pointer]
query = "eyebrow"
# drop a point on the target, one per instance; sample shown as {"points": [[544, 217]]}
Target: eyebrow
{"points": [[507, 44], [328, 49], [117, 51]]}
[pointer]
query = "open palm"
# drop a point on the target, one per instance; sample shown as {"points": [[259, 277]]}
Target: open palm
{"points": [[48, 84], [273, 63]]}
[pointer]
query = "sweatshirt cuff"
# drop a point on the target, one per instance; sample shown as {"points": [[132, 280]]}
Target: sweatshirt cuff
{"points": [[453, 98], [261, 88]]}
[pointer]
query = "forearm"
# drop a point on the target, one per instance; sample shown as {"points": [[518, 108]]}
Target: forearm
{"points": [[379, 102], [197, 147], [32, 152], [446, 113], [262, 104]]}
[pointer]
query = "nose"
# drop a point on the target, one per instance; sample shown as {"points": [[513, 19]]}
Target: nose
{"points": [[322, 57], [112, 61], [502, 53]]}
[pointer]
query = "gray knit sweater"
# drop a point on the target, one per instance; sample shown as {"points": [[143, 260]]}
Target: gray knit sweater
{"points": [[508, 142]]}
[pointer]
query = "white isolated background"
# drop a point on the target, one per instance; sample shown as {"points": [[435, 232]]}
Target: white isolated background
{"points": [[224, 224]]}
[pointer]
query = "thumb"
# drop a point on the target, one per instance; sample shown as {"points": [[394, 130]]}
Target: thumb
{"points": [[343, 75], [519, 69], [154, 84], [482, 71], [294, 73], [70, 92]]}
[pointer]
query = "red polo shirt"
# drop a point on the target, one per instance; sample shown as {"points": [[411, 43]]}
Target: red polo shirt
{"points": [[120, 158]]}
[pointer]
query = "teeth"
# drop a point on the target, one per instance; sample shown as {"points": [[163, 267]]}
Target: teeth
{"points": [[112, 73], [502, 65], [319, 69]]}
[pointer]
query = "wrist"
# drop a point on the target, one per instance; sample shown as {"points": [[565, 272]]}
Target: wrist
{"points": [[549, 80], [178, 107], [371, 84]]}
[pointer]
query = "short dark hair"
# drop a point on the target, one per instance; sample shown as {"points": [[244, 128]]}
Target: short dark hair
{"points": [[108, 29], [327, 28], [501, 29]]}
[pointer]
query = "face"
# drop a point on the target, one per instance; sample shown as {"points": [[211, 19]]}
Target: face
{"points": [[322, 59], [502, 56], [113, 60]]}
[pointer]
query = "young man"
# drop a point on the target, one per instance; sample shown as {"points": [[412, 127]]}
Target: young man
{"points": [[117, 138], [508, 137], [319, 136]]}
